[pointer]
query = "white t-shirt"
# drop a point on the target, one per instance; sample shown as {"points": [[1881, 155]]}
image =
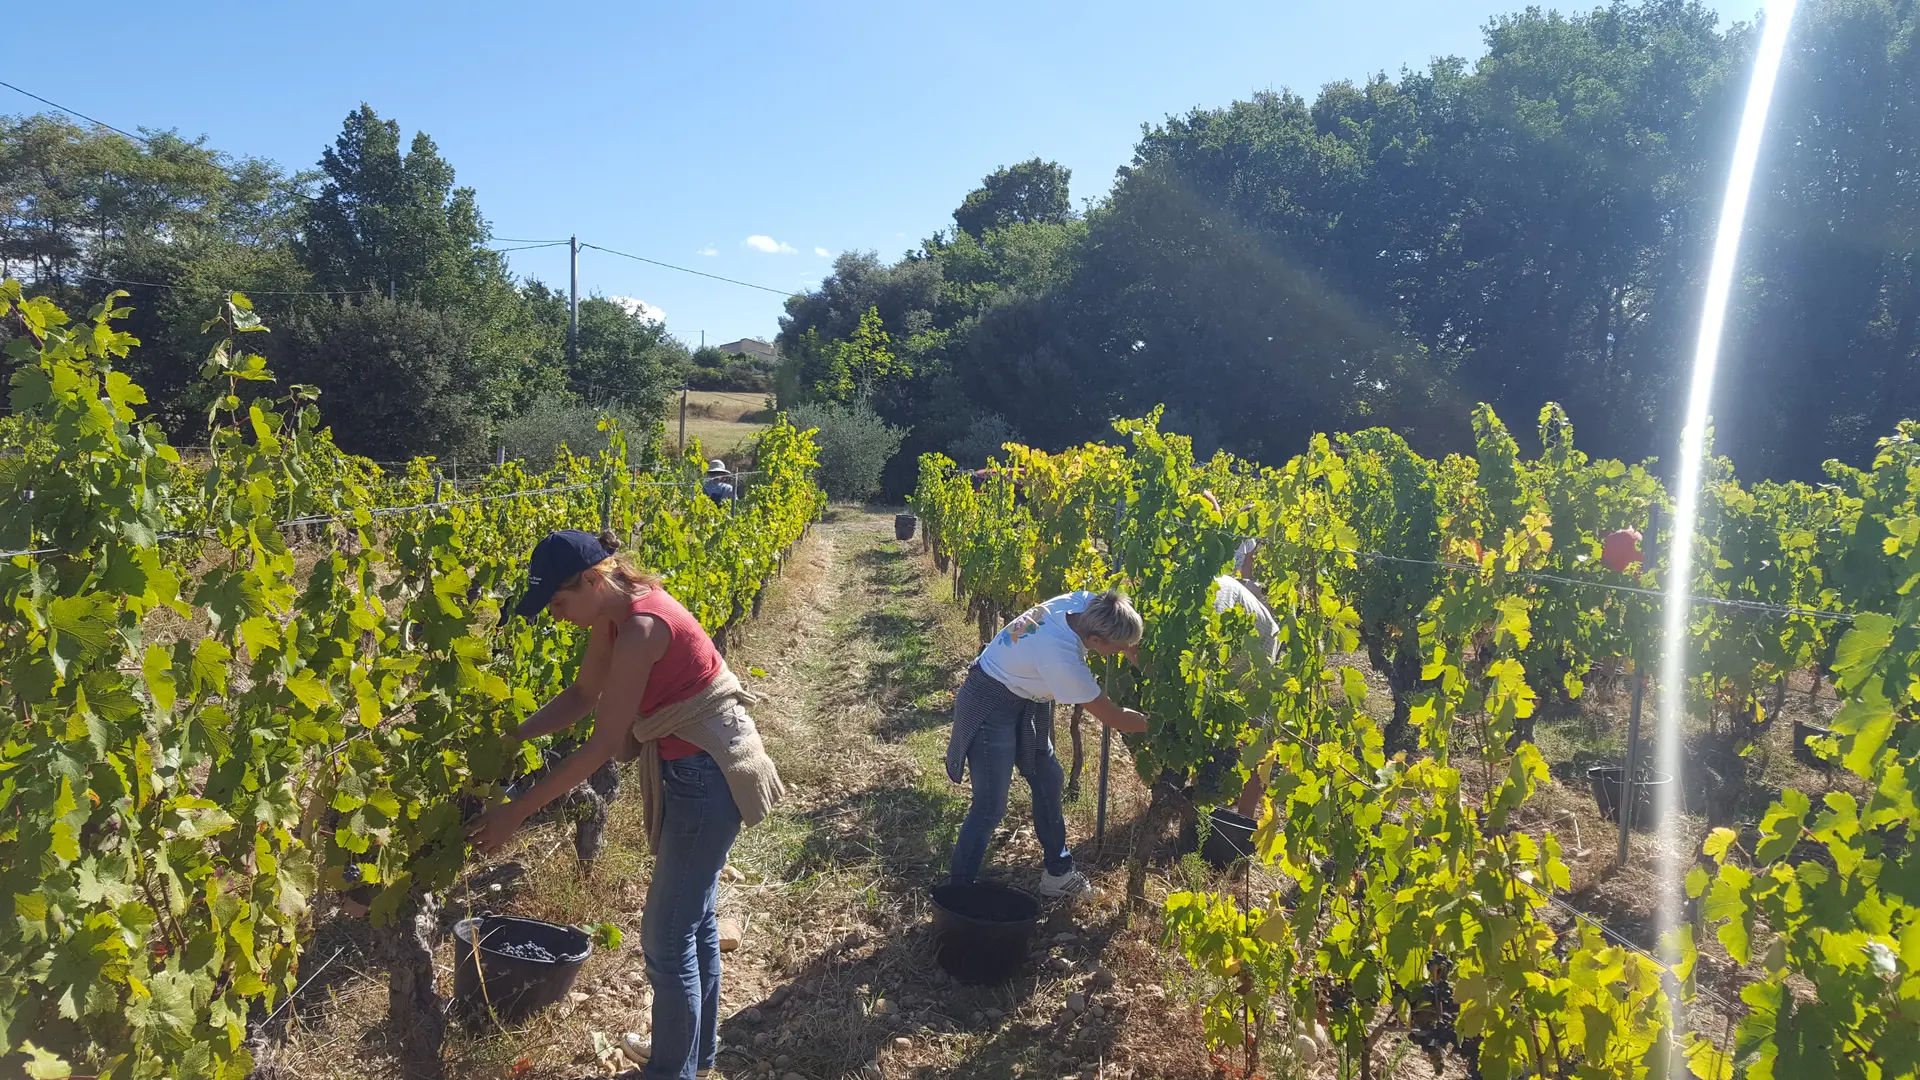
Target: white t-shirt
{"points": [[1240, 555], [1232, 594], [1040, 658]]}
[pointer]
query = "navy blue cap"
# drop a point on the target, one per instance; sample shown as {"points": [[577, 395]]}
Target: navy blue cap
{"points": [[554, 562]]}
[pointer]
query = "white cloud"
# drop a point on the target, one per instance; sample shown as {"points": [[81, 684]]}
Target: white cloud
{"points": [[823, 252], [767, 244], [641, 308], [709, 251]]}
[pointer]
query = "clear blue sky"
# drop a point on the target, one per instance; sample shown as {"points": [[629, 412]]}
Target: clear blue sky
{"points": [[680, 131]]}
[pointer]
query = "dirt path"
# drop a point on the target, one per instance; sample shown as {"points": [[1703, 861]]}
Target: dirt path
{"points": [[856, 652]]}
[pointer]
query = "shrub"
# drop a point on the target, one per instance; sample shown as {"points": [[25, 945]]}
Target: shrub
{"points": [[536, 434], [855, 445]]}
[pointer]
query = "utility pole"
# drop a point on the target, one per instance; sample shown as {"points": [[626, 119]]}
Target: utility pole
{"points": [[573, 304]]}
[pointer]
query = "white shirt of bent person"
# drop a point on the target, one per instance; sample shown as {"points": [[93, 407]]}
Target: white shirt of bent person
{"points": [[1039, 657], [1232, 594]]}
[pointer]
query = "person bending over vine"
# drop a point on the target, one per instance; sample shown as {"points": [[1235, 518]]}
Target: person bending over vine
{"points": [[663, 697], [1003, 718]]}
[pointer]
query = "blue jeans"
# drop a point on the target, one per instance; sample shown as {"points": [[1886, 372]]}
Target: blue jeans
{"points": [[679, 933], [990, 757]]}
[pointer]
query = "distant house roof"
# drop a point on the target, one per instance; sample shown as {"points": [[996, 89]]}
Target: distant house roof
{"points": [[751, 347]]}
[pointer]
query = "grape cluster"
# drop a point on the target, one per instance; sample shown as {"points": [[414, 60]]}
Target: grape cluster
{"points": [[1431, 1020], [525, 950]]}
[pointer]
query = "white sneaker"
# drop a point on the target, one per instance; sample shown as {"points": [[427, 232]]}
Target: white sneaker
{"points": [[1072, 885], [639, 1050]]}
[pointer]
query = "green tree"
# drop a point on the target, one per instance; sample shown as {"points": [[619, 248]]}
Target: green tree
{"points": [[175, 223], [858, 366], [393, 223], [625, 360], [396, 379], [1033, 191]]}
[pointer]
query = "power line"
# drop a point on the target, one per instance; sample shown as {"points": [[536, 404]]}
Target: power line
{"points": [[289, 186], [249, 292], [689, 270], [78, 113], [531, 246], [295, 190]]}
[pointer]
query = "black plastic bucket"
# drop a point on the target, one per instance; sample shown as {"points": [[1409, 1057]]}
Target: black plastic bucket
{"points": [[903, 526], [983, 931], [515, 986], [1802, 752], [1229, 838], [1605, 782]]}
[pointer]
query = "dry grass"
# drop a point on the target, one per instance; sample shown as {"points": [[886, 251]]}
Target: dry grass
{"points": [[715, 418]]}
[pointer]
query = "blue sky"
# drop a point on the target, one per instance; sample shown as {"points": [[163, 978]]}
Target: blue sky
{"points": [[750, 140]]}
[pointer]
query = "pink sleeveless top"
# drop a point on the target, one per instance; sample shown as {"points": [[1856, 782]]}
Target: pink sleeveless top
{"points": [[691, 662]]}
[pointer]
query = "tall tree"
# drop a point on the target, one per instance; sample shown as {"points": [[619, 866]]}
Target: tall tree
{"points": [[1033, 191], [392, 223]]}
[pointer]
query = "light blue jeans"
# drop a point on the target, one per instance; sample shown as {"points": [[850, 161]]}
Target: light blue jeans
{"points": [[991, 758], [680, 933]]}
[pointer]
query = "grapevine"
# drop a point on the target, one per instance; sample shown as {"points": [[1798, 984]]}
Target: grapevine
{"points": [[1474, 583], [200, 735]]}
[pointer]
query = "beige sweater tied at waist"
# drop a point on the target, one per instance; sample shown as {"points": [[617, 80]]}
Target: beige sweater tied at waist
{"points": [[715, 720]]}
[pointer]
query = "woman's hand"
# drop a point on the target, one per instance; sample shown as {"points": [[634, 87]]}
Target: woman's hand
{"points": [[490, 831], [1107, 711], [1131, 722]]}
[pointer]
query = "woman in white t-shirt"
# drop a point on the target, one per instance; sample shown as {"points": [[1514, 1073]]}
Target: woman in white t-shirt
{"points": [[1003, 719], [1231, 593]]}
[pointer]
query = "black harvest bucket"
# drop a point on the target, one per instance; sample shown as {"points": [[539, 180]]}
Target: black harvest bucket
{"points": [[983, 931], [524, 965], [1605, 782], [1802, 753], [1229, 838], [903, 526]]}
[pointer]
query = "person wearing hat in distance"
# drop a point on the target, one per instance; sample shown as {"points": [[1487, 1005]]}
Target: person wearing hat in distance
{"points": [[1003, 718], [661, 695], [719, 485]]}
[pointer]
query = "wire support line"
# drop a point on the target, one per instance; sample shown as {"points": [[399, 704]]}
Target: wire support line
{"points": [[690, 270], [1618, 939], [308, 981], [511, 240], [531, 247], [391, 511], [1751, 606], [323, 519]]}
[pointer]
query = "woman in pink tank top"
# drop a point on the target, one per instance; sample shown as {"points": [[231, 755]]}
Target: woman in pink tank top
{"points": [[645, 655]]}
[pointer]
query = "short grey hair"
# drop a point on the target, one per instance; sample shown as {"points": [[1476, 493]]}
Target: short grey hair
{"points": [[1111, 616]]}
